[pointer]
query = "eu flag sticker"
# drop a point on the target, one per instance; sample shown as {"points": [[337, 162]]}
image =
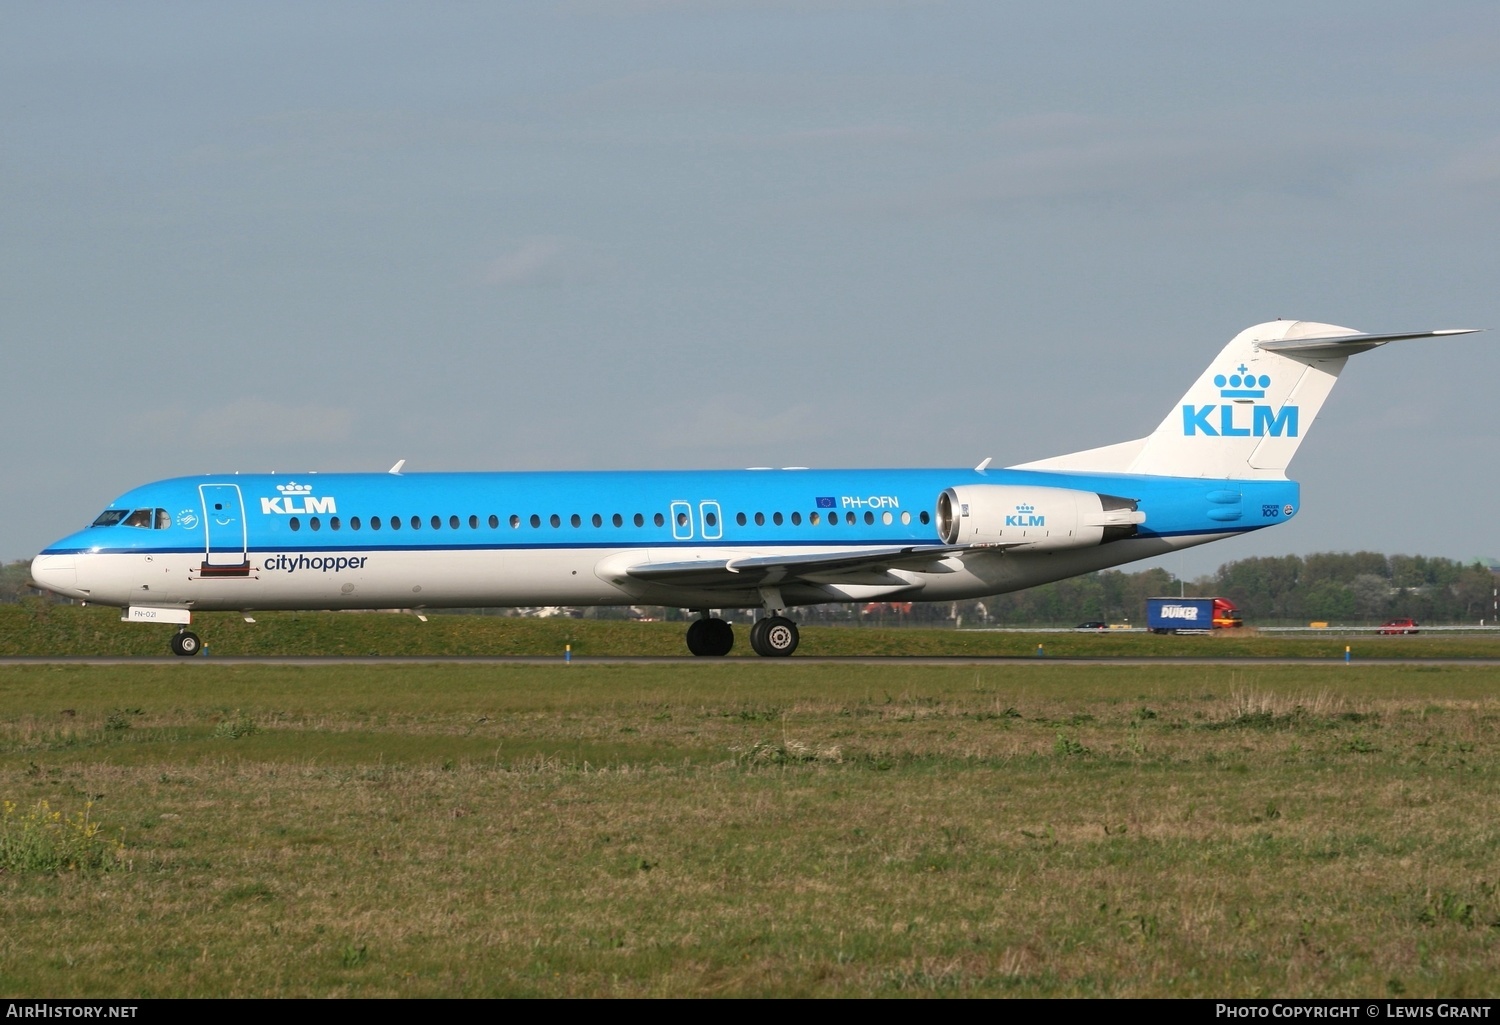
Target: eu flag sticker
{"points": [[827, 503]]}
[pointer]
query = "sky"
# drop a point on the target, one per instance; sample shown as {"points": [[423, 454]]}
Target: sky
{"points": [[631, 234]]}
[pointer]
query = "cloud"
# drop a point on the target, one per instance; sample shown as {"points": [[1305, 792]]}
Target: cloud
{"points": [[543, 261], [1478, 168], [1058, 158], [841, 136], [243, 423], [727, 424]]}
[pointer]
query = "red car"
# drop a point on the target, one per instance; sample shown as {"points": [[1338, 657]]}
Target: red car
{"points": [[1400, 626]]}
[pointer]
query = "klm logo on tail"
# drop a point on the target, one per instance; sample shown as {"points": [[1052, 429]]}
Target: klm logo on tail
{"points": [[1228, 419]]}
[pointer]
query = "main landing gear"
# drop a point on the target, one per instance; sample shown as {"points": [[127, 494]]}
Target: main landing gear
{"points": [[709, 636], [774, 637], [185, 642]]}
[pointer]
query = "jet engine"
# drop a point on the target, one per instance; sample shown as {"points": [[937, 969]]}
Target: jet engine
{"points": [[1038, 519]]}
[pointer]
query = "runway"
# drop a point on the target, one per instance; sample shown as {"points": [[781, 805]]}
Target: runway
{"points": [[886, 661]]}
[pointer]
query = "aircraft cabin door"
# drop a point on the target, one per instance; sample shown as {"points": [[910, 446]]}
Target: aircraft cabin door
{"points": [[226, 548], [711, 520], [682, 521]]}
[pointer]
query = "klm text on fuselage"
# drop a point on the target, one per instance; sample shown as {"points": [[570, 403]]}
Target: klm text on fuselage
{"points": [[304, 504]]}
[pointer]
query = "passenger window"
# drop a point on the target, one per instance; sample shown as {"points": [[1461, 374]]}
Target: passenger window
{"points": [[659, 519], [576, 520], [294, 523], [885, 518], [849, 518], [437, 521], [333, 523], [796, 519], [314, 524], [682, 519], [619, 520], [925, 518], [453, 522], [556, 520], [869, 518], [760, 519], [640, 521], [536, 521], [515, 521], [374, 522], [395, 523], [906, 518], [354, 523], [739, 518], [598, 520], [710, 519], [811, 518]]}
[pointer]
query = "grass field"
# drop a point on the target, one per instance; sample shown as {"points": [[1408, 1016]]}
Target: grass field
{"points": [[40, 629], [753, 828]]}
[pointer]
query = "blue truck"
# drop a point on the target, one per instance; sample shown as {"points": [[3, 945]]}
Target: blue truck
{"points": [[1190, 615]]}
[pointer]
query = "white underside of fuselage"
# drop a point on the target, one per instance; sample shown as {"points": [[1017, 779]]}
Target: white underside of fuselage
{"points": [[540, 577]]}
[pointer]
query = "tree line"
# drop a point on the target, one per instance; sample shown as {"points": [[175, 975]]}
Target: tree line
{"points": [[1343, 588]]}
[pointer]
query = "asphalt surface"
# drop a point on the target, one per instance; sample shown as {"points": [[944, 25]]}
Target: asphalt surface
{"points": [[663, 660]]}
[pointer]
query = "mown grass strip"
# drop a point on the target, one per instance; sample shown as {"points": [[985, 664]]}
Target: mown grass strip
{"points": [[39, 629], [759, 829]]}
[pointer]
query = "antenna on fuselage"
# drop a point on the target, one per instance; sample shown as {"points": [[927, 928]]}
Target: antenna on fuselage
{"points": [[397, 468]]}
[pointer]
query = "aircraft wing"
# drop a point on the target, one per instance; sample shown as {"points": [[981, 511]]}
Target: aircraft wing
{"points": [[770, 570]]}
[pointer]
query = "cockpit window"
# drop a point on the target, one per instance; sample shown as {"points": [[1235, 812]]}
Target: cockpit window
{"points": [[109, 517], [150, 519]]}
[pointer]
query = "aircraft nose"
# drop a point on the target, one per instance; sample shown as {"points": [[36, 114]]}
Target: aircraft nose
{"points": [[55, 573]]}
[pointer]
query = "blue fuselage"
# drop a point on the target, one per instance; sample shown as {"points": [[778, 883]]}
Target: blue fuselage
{"points": [[473, 539]]}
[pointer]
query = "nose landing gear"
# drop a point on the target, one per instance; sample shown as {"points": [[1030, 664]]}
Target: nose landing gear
{"points": [[185, 642]]}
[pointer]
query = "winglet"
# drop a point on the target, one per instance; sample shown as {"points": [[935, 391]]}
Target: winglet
{"points": [[397, 468]]}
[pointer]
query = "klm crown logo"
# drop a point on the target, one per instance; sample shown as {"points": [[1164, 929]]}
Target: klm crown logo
{"points": [[294, 490], [1225, 420], [1242, 385]]}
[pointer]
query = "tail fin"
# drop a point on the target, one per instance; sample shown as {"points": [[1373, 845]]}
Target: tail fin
{"points": [[1248, 412]]}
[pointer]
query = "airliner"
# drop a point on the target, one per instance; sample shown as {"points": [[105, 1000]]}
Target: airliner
{"points": [[764, 539]]}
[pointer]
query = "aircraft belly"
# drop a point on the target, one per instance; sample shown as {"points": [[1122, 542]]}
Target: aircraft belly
{"points": [[559, 576], [455, 578], [110, 579]]}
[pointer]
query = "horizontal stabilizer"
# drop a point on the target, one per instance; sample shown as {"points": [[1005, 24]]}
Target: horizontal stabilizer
{"points": [[1348, 345]]}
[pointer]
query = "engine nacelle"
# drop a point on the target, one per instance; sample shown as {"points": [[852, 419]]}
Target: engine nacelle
{"points": [[1038, 519]]}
